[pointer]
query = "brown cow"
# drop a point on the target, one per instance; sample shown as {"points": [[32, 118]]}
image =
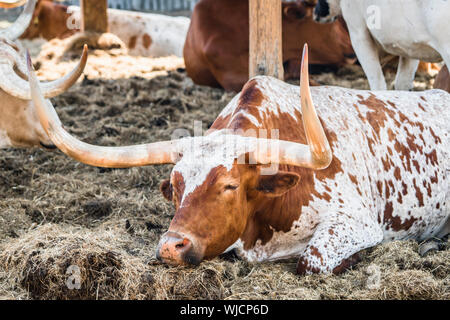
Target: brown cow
{"points": [[443, 80], [217, 43]]}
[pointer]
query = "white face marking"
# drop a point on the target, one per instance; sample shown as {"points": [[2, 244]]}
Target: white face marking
{"points": [[203, 154]]}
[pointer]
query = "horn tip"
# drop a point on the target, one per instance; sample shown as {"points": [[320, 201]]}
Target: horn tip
{"points": [[305, 56]]}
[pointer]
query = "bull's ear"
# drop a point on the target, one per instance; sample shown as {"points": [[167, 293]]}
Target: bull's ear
{"points": [[166, 189], [278, 184]]}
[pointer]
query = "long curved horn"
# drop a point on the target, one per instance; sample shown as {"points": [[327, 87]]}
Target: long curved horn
{"points": [[317, 154], [108, 157], [21, 24], [12, 4], [19, 88]]}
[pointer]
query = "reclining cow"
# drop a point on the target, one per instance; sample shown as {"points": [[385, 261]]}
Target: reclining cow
{"points": [[217, 42], [19, 124], [413, 30], [374, 167], [145, 34]]}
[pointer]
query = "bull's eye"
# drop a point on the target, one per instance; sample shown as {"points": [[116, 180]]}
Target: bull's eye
{"points": [[231, 187]]}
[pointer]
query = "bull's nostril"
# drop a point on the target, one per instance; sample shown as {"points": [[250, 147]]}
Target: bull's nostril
{"points": [[182, 244]]}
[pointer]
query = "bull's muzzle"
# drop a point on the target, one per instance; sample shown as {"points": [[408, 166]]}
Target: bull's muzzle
{"points": [[175, 249]]}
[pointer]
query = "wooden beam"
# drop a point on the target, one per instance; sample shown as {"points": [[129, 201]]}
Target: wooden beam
{"points": [[266, 48], [94, 16]]}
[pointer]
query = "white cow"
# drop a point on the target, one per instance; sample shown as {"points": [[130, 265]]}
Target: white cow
{"points": [[411, 29], [145, 34]]}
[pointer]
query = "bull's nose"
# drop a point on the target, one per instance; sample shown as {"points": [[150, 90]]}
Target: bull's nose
{"points": [[175, 249]]}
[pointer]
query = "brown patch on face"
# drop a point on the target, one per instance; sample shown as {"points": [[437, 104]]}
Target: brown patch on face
{"points": [[212, 216], [147, 41], [132, 42], [395, 223], [177, 187]]}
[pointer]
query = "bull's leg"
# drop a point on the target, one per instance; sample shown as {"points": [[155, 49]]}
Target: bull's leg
{"points": [[367, 54], [405, 73], [365, 48], [337, 241]]}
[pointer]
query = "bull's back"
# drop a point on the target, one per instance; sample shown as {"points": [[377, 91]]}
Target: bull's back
{"points": [[401, 141], [391, 150]]}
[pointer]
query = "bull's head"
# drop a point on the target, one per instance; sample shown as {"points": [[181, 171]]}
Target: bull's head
{"points": [[213, 193], [19, 123]]}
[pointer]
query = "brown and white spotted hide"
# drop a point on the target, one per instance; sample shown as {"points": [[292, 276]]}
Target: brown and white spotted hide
{"points": [[145, 34], [389, 179]]}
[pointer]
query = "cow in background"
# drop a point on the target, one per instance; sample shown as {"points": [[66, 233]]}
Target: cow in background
{"points": [[145, 34], [217, 43]]}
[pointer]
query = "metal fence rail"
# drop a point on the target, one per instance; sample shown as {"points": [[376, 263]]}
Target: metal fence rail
{"points": [[148, 5], [133, 5]]}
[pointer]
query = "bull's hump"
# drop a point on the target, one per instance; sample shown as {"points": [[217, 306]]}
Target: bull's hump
{"points": [[261, 98]]}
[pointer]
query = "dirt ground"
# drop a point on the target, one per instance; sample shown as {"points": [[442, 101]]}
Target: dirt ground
{"points": [[62, 221]]}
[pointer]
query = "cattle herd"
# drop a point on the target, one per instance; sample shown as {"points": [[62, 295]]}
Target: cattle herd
{"points": [[284, 171]]}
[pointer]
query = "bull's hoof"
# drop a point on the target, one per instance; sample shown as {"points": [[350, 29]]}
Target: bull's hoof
{"points": [[431, 245]]}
